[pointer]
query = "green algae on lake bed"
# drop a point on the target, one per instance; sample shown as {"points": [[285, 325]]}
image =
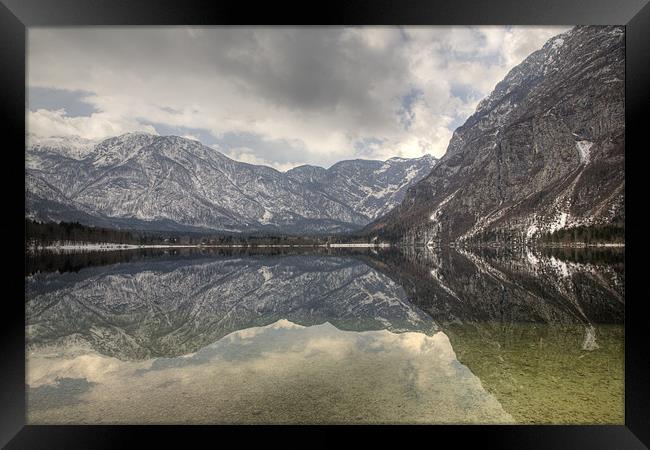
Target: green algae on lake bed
{"points": [[541, 374]]}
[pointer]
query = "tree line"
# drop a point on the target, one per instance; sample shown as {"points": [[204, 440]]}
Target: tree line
{"points": [[49, 233], [586, 234], [43, 234]]}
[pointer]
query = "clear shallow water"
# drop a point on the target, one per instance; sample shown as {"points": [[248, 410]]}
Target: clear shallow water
{"points": [[414, 336]]}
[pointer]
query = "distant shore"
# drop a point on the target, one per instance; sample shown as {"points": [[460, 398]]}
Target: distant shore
{"points": [[112, 246], [107, 246]]}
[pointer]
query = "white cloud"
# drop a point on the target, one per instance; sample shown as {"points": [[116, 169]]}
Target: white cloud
{"points": [[320, 90], [248, 155], [45, 123]]}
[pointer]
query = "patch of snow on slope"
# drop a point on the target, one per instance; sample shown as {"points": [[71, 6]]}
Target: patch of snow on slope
{"points": [[559, 42], [266, 217], [382, 169], [584, 153], [531, 258], [530, 232], [560, 266], [436, 212], [266, 273], [411, 172], [559, 222]]}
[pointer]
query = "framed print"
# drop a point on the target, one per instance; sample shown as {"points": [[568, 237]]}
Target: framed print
{"points": [[360, 217]]}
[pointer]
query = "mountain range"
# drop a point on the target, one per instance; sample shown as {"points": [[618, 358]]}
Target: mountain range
{"points": [[544, 151], [151, 182]]}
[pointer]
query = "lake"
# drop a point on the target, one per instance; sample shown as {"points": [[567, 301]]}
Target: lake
{"points": [[311, 336]]}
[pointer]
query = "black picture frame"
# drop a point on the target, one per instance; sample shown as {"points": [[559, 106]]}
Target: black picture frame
{"points": [[17, 15]]}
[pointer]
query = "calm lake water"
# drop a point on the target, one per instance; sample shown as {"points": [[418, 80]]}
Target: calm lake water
{"points": [[324, 336]]}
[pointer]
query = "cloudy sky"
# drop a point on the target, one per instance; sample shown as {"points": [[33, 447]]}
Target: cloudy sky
{"points": [[276, 96]]}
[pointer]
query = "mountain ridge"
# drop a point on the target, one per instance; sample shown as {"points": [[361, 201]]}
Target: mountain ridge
{"points": [[141, 180]]}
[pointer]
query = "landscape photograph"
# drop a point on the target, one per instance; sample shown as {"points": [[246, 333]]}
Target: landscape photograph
{"points": [[325, 225]]}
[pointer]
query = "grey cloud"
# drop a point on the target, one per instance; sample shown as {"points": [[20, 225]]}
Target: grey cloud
{"points": [[233, 144], [287, 94], [280, 151], [307, 68], [365, 148]]}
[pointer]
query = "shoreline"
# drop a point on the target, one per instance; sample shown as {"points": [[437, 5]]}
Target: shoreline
{"points": [[582, 245], [112, 247]]}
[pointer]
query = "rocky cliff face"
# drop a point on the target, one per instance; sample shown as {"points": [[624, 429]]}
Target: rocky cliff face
{"points": [[167, 182], [544, 151]]}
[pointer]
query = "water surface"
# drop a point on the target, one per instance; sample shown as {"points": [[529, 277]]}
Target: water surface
{"points": [[345, 336]]}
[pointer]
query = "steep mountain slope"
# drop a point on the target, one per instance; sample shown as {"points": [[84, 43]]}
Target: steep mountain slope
{"points": [[544, 151], [145, 181]]}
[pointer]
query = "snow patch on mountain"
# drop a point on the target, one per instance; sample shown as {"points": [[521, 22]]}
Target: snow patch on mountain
{"points": [[436, 213], [74, 147], [559, 222], [266, 217], [584, 148], [557, 43]]}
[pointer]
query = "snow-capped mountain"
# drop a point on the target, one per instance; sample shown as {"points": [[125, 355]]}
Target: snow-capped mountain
{"points": [[145, 181], [74, 147], [545, 150], [177, 306]]}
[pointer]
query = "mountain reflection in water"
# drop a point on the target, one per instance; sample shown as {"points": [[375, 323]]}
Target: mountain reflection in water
{"points": [[398, 336]]}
